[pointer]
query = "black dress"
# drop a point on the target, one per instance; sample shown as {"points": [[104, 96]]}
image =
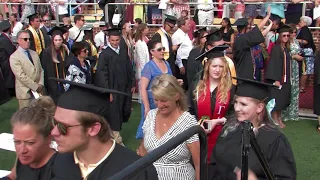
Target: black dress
{"points": [[25, 172], [115, 71], [242, 52], [227, 36], [52, 69], [66, 169], [227, 155], [275, 72], [193, 65], [316, 85]]}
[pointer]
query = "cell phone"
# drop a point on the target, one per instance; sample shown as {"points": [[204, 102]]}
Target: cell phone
{"points": [[205, 125]]}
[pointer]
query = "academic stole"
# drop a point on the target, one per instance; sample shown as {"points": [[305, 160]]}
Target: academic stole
{"points": [[94, 51], [163, 38], [62, 53], [38, 41], [220, 110], [284, 73]]}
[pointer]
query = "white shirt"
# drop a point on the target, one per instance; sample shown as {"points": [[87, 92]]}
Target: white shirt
{"points": [[18, 27], [205, 6], [62, 9], [73, 33], [99, 39], [180, 37], [141, 56]]}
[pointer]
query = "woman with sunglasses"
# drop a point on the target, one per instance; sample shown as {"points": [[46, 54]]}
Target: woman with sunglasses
{"points": [[31, 127], [279, 73], [250, 105], [292, 112], [155, 67], [53, 62], [211, 97], [79, 69], [169, 119]]}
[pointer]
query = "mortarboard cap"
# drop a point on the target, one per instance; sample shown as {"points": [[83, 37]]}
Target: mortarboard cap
{"points": [[57, 30], [66, 27], [32, 16], [284, 28], [254, 89], [114, 31], [86, 97], [170, 19], [4, 25], [197, 33], [88, 29], [213, 52], [214, 36], [241, 22]]}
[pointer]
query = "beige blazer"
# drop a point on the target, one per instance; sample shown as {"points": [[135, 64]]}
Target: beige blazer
{"points": [[28, 76]]}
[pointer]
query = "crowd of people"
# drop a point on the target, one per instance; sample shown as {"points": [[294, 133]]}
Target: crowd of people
{"points": [[76, 87]]}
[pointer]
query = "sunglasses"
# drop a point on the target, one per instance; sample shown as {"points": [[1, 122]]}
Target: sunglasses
{"points": [[25, 39], [46, 20], [84, 50], [62, 128], [294, 32], [160, 49], [170, 26], [285, 35], [163, 83]]}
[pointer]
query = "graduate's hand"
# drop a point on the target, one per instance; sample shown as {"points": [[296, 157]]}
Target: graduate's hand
{"points": [[111, 98], [182, 71], [180, 81], [40, 89], [277, 83], [251, 175], [269, 11]]}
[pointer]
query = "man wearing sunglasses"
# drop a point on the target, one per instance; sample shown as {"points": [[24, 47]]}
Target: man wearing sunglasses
{"points": [[25, 65], [76, 33], [45, 29], [84, 138], [163, 35]]}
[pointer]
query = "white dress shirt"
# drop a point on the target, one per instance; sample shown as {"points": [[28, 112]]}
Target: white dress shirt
{"points": [[73, 33], [18, 27], [205, 6], [99, 39], [180, 37]]}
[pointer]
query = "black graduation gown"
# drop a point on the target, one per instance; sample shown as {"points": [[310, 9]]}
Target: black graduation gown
{"points": [[242, 52], [6, 49], [25, 172], [316, 85], [50, 68], [172, 57], [227, 155], [193, 108], [47, 38], [92, 59], [4, 95], [114, 71], [66, 169], [193, 65], [32, 42], [275, 72]]}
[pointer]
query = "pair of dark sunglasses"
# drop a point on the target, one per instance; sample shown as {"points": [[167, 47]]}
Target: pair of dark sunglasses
{"points": [[62, 128], [84, 50], [160, 49], [285, 35], [163, 83], [25, 39]]}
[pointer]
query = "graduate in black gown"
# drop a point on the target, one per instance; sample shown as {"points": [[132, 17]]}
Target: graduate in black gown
{"points": [[31, 128], [279, 73], [93, 52], [37, 42], [163, 36], [193, 65], [226, 156], [53, 62], [115, 71], [85, 139], [6, 49], [316, 88], [243, 43]]}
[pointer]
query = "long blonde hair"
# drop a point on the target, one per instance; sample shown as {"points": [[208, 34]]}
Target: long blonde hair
{"points": [[225, 81], [169, 91]]}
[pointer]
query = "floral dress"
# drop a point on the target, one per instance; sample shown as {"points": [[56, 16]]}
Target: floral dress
{"points": [[292, 112]]}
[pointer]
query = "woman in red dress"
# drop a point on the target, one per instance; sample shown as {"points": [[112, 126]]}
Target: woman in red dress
{"points": [[212, 95]]}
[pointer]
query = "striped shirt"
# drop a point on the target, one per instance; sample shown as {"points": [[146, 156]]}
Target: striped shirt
{"points": [[175, 165]]}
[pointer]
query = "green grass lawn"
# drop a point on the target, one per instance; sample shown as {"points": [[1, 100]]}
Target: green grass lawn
{"points": [[304, 140]]}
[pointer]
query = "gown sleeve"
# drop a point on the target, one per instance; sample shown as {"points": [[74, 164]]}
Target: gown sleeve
{"points": [[102, 73], [281, 159], [275, 66], [191, 99], [250, 39]]}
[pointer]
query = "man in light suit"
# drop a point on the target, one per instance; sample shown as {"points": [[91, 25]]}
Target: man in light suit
{"points": [[25, 65]]}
